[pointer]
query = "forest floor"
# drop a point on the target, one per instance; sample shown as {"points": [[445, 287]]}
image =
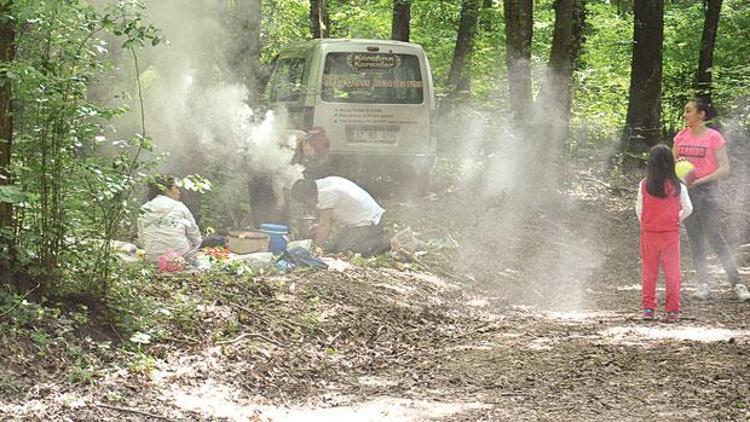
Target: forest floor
{"points": [[512, 314]]}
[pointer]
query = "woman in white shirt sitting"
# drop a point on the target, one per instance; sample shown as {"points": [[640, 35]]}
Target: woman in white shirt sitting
{"points": [[165, 224]]}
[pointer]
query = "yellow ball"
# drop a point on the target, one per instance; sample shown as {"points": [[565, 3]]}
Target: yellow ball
{"points": [[683, 169]]}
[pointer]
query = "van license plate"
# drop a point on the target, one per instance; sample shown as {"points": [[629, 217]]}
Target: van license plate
{"points": [[384, 135]]}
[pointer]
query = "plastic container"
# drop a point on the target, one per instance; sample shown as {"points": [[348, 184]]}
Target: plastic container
{"points": [[277, 233]]}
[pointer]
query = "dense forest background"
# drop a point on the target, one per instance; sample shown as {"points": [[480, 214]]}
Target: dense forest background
{"points": [[602, 76], [93, 94]]}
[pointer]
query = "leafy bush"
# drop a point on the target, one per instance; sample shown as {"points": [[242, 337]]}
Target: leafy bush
{"points": [[72, 186]]}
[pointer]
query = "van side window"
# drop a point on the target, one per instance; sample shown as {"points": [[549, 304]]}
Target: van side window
{"points": [[372, 78], [286, 82]]}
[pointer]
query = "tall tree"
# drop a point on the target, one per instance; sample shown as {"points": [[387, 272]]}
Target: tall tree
{"points": [[401, 20], [644, 101], [712, 10], [459, 76], [554, 101], [519, 27], [318, 18], [7, 54], [244, 57]]}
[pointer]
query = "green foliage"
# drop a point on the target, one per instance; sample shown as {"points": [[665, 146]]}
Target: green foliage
{"points": [[143, 364], [9, 385], [72, 185], [489, 85], [434, 25], [80, 375], [130, 310], [603, 79], [379, 261], [731, 71], [360, 19], [289, 22], [682, 35], [12, 194], [18, 311], [48, 330], [683, 25]]}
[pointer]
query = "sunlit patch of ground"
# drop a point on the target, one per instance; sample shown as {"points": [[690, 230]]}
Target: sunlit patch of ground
{"points": [[576, 316], [374, 381], [396, 288], [37, 406], [478, 302], [640, 334], [684, 288], [479, 346], [542, 343], [434, 280], [215, 400], [629, 287], [523, 308]]}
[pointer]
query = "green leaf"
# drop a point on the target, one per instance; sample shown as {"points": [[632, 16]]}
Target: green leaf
{"points": [[12, 194], [140, 338]]}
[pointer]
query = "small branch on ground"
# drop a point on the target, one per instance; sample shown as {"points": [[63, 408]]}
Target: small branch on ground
{"points": [[243, 335], [129, 410]]}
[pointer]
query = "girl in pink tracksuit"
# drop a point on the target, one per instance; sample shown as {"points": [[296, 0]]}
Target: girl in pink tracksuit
{"points": [[662, 204]]}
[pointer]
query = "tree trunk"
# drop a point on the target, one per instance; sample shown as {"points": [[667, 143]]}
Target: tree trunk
{"points": [[518, 33], [7, 54], [567, 40], [554, 101], [644, 101], [459, 77], [708, 40], [244, 57], [401, 18], [319, 18]]}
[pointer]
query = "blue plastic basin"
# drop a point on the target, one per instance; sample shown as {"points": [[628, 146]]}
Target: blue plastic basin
{"points": [[277, 236]]}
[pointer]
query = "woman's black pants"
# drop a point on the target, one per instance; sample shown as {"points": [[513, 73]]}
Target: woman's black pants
{"points": [[705, 224]]}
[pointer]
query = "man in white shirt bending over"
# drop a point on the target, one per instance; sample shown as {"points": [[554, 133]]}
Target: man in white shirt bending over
{"points": [[340, 202]]}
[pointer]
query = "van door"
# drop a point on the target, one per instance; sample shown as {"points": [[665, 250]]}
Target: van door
{"points": [[375, 103]]}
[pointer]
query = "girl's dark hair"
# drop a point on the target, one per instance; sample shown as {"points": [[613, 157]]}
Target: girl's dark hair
{"points": [[159, 185], [704, 104], [661, 169]]}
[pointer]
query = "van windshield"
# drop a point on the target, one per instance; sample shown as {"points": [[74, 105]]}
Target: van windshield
{"points": [[372, 78]]}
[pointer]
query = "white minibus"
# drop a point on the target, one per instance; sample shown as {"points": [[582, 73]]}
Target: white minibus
{"points": [[374, 98]]}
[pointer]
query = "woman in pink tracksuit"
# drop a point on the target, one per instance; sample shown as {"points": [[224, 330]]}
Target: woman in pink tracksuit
{"points": [[662, 204]]}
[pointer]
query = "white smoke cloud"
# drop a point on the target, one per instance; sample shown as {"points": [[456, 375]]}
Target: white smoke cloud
{"points": [[193, 108]]}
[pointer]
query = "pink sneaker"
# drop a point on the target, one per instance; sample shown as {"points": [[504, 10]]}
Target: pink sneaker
{"points": [[673, 316], [648, 314]]}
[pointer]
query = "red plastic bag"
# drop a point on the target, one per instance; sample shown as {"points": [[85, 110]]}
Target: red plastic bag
{"points": [[171, 262]]}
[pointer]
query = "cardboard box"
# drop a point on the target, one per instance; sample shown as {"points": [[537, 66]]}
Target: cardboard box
{"points": [[245, 242]]}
